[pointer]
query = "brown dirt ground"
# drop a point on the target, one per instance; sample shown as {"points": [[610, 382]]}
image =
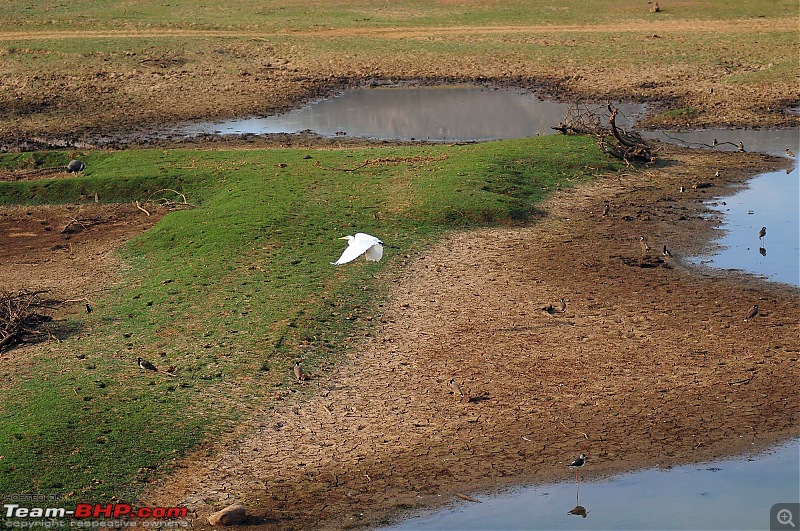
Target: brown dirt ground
{"points": [[109, 102], [43, 248], [652, 363]]}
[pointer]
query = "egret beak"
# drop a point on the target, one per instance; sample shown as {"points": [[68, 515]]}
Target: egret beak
{"points": [[343, 238]]}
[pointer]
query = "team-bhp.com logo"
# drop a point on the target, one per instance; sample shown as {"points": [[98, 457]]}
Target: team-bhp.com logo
{"points": [[87, 515]]}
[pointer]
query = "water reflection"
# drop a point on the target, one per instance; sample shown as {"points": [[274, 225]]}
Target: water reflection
{"points": [[770, 141], [578, 510], [770, 201], [730, 494], [416, 113]]}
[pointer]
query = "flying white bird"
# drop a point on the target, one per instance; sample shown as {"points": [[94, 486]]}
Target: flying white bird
{"points": [[370, 246]]}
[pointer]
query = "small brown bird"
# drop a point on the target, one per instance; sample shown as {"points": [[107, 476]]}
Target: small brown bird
{"points": [[606, 209], [144, 364], [790, 152], [298, 371], [455, 388], [643, 245], [654, 8], [762, 233], [563, 305], [752, 313], [741, 147]]}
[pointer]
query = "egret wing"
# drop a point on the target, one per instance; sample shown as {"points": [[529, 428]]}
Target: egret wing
{"points": [[375, 252], [356, 248]]}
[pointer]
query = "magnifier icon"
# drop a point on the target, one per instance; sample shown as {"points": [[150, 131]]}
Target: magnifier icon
{"points": [[784, 517]]}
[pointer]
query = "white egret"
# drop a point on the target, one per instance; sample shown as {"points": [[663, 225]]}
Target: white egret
{"points": [[370, 246]]}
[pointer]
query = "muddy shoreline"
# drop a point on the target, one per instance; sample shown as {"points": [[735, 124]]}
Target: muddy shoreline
{"points": [[131, 131], [651, 360]]}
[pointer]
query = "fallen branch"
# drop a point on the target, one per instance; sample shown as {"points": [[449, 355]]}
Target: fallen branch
{"points": [[612, 140], [22, 315]]}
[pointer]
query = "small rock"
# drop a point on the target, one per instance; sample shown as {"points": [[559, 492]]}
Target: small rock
{"points": [[230, 515]]}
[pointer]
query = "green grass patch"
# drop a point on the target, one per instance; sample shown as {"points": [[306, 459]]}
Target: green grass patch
{"points": [[230, 293]]}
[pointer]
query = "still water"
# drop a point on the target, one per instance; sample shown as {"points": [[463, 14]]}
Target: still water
{"points": [[770, 200], [729, 494], [445, 114]]}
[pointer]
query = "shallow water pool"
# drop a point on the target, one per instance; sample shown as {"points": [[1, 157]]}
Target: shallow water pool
{"points": [[727, 494]]}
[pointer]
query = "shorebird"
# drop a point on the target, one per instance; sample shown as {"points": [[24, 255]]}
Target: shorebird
{"points": [[715, 142], [144, 364], [643, 245], [606, 209], [563, 305], [716, 173], [752, 313], [762, 233], [298, 371], [741, 147], [683, 189], [666, 253], [789, 152], [455, 388], [89, 309], [578, 463]]}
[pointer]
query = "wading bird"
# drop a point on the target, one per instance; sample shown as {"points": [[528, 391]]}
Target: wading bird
{"points": [[146, 365], [643, 245], [455, 388], [762, 233], [370, 246], [741, 147], [667, 254], [752, 313], [578, 463]]}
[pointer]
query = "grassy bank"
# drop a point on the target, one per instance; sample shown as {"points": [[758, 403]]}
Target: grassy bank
{"points": [[231, 292]]}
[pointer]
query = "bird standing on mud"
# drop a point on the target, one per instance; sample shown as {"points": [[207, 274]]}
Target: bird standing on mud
{"points": [[455, 388], [298, 371], [643, 245], [752, 313], [562, 306], [667, 254]]}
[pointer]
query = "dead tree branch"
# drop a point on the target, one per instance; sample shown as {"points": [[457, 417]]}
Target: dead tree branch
{"points": [[22, 315], [164, 201], [613, 140]]}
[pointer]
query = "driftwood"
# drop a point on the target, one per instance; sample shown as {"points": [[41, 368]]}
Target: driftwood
{"points": [[613, 140], [164, 202], [22, 315]]}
